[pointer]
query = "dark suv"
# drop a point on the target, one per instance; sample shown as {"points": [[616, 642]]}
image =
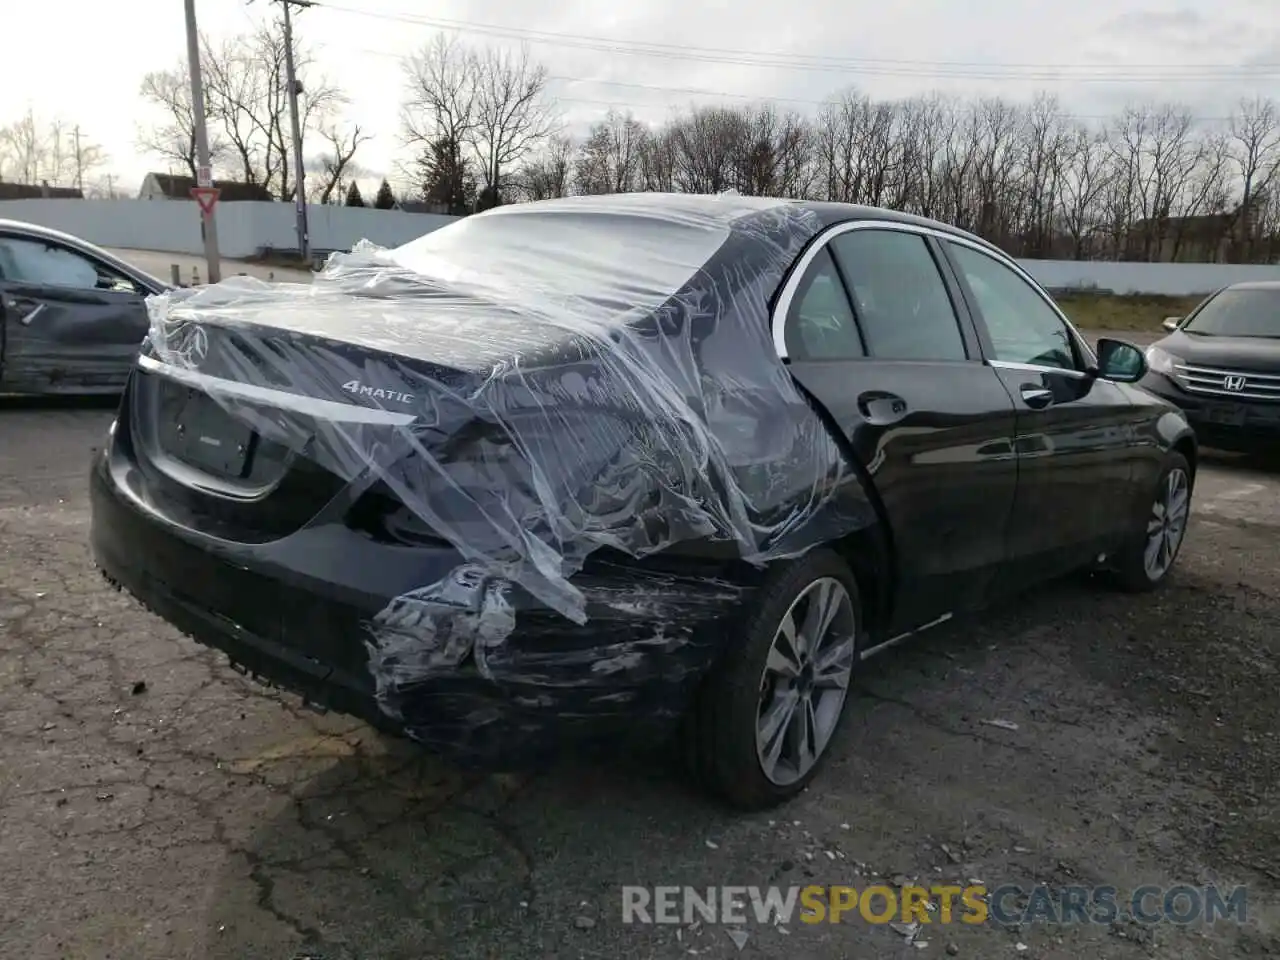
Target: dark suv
{"points": [[1221, 365]]}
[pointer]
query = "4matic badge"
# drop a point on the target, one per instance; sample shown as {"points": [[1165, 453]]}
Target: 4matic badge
{"points": [[376, 393]]}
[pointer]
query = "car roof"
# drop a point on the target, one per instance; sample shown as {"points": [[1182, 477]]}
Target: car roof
{"points": [[1256, 285], [35, 230], [735, 210]]}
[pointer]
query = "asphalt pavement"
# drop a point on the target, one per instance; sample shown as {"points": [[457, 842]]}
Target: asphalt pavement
{"points": [[157, 805]]}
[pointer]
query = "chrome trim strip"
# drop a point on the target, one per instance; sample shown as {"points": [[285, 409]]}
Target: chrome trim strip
{"points": [[311, 406], [1208, 382], [1230, 394], [1250, 375], [1035, 368], [778, 319], [894, 641]]}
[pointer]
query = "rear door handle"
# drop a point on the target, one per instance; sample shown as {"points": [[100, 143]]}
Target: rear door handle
{"points": [[1035, 396], [881, 409]]}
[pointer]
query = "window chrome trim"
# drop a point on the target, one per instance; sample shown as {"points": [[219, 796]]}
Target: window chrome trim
{"points": [[778, 320], [311, 406]]}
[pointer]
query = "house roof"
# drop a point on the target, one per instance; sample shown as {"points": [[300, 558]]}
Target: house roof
{"points": [[179, 188], [34, 191]]}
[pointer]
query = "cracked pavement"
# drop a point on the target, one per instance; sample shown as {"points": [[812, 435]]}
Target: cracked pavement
{"points": [[156, 804]]}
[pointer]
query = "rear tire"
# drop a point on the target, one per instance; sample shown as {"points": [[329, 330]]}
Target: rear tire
{"points": [[770, 711], [1148, 557]]}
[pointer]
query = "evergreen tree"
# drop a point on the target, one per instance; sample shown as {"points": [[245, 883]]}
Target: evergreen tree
{"points": [[353, 195], [385, 200], [488, 198], [447, 182]]}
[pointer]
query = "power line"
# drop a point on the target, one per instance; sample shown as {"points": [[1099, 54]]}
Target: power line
{"points": [[972, 70], [698, 92]]}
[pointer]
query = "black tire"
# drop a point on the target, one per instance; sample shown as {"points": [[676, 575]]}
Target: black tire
{"points": [[720, 732], [1128, 570]]}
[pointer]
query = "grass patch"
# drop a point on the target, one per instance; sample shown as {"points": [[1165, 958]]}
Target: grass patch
{"points": [[283, 260], [1109, 311]]}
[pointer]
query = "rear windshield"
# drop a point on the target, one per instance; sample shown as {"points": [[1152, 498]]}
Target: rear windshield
{"points": [[1238, 313], [626, 260]]}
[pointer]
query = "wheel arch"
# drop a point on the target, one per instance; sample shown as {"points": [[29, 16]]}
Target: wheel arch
{"points": [[868, 550], [868, 555], [1187, 446]]}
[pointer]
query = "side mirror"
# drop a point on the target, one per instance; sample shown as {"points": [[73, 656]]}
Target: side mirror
{"points": [[1120, 361], [1171, 323]]}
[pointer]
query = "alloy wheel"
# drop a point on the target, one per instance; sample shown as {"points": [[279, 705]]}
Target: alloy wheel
{"points": [[1167, 524], [805, 680]]}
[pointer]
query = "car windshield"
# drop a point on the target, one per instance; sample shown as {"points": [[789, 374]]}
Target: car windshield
{"points": [[1239, 313], [618, 258]]}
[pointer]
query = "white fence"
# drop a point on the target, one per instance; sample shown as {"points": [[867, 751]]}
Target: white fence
{"points": [[173, 226], [1169, 279]]}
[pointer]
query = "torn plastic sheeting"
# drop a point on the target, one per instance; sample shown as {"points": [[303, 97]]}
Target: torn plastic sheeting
{"points": [[581, 374]]}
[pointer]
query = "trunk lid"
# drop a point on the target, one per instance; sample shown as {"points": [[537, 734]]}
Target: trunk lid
{"points": [[251, 421]]}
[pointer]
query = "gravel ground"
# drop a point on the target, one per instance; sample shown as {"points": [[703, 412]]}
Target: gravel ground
{"points": [[156, 805]]}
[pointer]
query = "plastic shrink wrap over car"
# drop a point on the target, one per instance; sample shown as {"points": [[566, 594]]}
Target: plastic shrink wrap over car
{"points": [[533, 384]]}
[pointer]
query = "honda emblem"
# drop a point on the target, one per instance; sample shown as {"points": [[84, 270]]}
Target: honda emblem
{"points": [[1235, 383]]}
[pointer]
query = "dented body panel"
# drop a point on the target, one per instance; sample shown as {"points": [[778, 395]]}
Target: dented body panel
{"points": [[72, 316], [340, 620]]}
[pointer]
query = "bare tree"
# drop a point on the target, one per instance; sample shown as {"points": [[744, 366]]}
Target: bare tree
{"points": [[513, 115], [172, 138], [34, 150], [658, 161], [708, 144], [246, 106], [336, 162], [854, 145], [777, 156], [1150, 183], [442, 91], [609, 159], [548, 174], [1086, 177], [493, 104], [439, 118], [1255, 151], [25, 151]]}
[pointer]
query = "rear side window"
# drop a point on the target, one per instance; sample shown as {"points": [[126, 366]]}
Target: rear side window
{"points": [[899, 296], [820, 323]]}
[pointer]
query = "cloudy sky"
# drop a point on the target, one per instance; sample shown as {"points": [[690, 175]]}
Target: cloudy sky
{"points": [[1096, 54]]}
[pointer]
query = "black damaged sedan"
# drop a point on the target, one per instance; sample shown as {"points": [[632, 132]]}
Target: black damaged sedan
{"points": [[575, 472]]}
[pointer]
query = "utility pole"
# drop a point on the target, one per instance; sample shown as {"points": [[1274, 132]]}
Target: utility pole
{"points": [[209, 221], [299, 176], [79, 163]]}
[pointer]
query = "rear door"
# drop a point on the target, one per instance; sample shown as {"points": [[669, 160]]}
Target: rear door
{"points": [[874, 327], [1076, 433], [71, 322]]}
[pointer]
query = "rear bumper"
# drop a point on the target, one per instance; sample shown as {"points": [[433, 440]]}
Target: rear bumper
{"points": [[1221, 422], [299, 614]]}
